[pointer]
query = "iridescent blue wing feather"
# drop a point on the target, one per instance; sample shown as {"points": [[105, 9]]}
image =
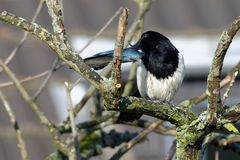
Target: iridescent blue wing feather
{"points": [[102, 59]]}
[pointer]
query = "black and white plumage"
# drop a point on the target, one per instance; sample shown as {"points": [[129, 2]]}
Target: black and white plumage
{"points": [[160, 69]]}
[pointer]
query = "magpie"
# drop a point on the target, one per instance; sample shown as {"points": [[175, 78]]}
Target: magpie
{"points": [[160, 69]]}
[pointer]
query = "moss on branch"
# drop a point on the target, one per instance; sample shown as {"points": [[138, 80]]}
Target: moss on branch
{"points": [[161, 110]]}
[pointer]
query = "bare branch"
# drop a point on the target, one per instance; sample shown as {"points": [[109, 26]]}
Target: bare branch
{"points": [[169, 155], [27, 79], [226, 80], [226, 94], [230, 141], [43, 119], [21, 143], [25, 34], [159, 130], [230, 115], [75, 153], [214, 99], [131, 80], [46, 80], [70, 57], [117, 60], [87, 124], [141, 136], [101, 30], [143, 8]]}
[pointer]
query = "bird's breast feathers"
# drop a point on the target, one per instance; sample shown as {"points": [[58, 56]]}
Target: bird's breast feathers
{"points": [[162, 89]]}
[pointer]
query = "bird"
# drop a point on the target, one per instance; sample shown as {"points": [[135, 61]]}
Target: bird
{"points": [[160, 70]]}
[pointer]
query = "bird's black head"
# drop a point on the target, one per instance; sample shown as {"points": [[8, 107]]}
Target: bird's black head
{"points": [[159, 57]]}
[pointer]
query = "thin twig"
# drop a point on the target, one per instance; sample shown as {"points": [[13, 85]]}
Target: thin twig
{"points": [[143, 8], [46, 80], [85, 98], [87, 124], [117, 59], [76, 151], [102, 29], [159, 130], [27, 79], [226, 80], [43, 119], [169, 155], [126, 147], [21, 143], [131, 80], [25, 34], [74, 84], [230, 141], [225, 95], [96, 109]]}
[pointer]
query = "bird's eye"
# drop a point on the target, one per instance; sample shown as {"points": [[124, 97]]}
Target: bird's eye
{"points": [[145, 36], [140, 51]]}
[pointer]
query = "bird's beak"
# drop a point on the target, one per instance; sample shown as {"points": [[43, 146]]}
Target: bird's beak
{"points": [[131, 55]]}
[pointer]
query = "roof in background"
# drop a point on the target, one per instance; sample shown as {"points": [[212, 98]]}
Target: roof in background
{"points": [[169, 16]]}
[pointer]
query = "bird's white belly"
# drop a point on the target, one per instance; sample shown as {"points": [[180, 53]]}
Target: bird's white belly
{"points": [[159, 89]]}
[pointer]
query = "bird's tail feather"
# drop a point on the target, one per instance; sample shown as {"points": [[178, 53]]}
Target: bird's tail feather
{"points": [[98, 62]]}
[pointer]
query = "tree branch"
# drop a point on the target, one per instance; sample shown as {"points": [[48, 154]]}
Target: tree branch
{"points": [[169, 155], [226, 80], [145, 124], [24, 80], [101, 30], [71, 58], [141, 136], [55, 10], [54, 67], [24, 37], [230, 115], [231, 141], [226, 94], [213, 82], [143, 8], [75, 152], [160, 110], [117, 59], [21, 143], [43, 119]]}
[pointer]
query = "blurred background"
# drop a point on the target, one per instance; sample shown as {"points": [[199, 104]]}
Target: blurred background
{"points": [[193, 26]]}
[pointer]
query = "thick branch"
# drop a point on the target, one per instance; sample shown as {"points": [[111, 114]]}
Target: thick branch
{"points": [[164, 111], [70, 57], [55, 10], [214, 99]]}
